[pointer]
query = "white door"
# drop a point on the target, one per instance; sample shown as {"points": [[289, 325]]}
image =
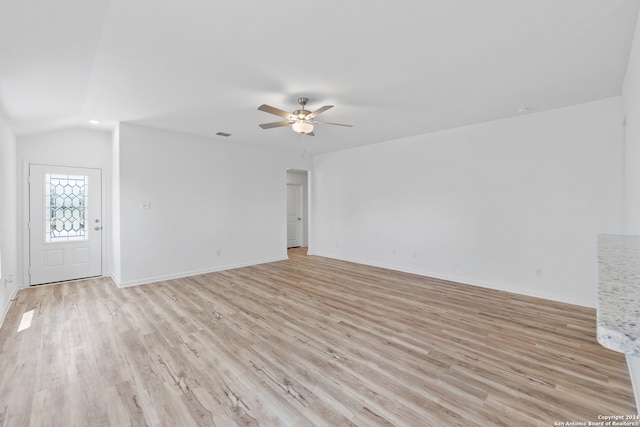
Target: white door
{"points": [[294, 215], [65, 223]]}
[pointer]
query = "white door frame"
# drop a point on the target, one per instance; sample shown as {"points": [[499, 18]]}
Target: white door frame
{"points": [[106, 222], [308, 214], [310, 229]]}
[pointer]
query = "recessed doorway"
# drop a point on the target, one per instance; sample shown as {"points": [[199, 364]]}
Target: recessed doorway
{"points": [[297, 208]]}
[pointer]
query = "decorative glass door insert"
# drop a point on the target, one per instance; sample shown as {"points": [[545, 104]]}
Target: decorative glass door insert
{"points": [[65, 224], [66, 207]]}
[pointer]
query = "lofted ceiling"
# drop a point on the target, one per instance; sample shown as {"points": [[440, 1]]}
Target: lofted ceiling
{"points": [[392, 69]]}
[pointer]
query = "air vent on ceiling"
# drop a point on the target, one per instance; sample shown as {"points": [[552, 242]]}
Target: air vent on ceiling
{"points": [[223, 134]]}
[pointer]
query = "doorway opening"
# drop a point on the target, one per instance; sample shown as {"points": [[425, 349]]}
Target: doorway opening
{"points": [[297, 208]]}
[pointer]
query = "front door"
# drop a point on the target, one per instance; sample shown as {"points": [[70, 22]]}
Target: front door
{"points": [[294, 215], [65, 223]]}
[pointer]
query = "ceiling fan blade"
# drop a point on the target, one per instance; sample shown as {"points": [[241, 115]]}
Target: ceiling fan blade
{"points": [[335, 124], [273, 110], [275, 124], [318, 111]]}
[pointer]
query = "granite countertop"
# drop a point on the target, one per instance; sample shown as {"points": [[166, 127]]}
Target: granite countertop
{"points": [[618, 313]]}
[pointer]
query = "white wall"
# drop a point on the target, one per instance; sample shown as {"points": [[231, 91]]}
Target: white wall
{"points": [[513, 204], [80, 148], [631, 100], [205, 195], [8, 237]]}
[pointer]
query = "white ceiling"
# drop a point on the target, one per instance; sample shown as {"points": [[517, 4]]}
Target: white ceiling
{"points": [[392, 69]]}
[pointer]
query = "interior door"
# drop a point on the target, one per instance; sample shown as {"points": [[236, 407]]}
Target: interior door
{"points": [[294, 215], [65, 224]]}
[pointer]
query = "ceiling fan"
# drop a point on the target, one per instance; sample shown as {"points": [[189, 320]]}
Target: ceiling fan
{"points": [[301, 121]]}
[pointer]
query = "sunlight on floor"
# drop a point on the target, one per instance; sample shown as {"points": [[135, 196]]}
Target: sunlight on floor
{"points": [[26, 321]]}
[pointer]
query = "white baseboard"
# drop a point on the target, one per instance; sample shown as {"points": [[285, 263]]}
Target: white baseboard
{"points": [[461, 280], [6, 307], [115, 278], [147, 280]]}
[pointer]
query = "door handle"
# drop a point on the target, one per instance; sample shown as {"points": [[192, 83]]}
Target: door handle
{"points": [[98, 228]]}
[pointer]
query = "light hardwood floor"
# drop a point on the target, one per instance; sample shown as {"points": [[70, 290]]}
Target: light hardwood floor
{"points": [[308, 341]]}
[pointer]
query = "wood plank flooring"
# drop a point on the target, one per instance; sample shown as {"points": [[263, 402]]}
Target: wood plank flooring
{"points": [[304, 342]]}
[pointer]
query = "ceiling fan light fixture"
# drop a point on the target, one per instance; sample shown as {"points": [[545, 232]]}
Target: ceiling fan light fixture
{"points": [[301, 121], [302, 127]]}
